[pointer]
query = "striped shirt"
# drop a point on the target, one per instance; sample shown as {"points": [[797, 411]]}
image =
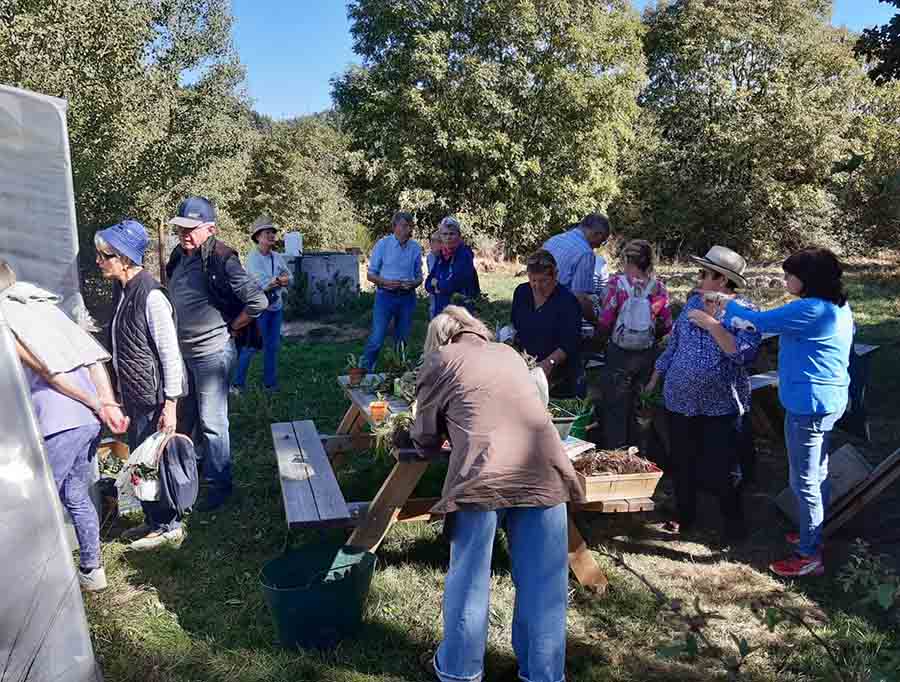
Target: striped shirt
{"points": [[575, 260]]}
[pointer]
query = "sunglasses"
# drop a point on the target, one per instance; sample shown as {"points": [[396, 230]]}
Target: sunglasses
{"points": [[106, 256], [709, 274]]}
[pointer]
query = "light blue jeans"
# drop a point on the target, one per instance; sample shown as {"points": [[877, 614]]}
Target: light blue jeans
{"points": [[203, 416], [538, 545], [400, 308], [270, 328], [807, 437]]}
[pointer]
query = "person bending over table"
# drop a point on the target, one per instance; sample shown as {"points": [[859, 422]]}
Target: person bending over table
{"points": [[707, 398], [395, 269], [507, 469], [813, 380], [547, 320]]}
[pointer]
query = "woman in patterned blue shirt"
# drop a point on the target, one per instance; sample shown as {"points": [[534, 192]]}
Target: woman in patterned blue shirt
{"points": [[707, 395]]}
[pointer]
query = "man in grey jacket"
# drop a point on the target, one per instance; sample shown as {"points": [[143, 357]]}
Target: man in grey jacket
{"points": [[214, 300]]}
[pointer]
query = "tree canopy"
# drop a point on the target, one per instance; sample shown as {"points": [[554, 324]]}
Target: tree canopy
{"points": [[510, 113], [881, 45]]}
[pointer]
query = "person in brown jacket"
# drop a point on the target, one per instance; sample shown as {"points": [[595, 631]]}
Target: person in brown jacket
{"points": [[507, 468]]}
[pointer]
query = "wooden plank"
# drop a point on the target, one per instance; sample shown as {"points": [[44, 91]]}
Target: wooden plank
{"points": [[325, 489], [641, 504], [349, 442], [604, 506], [878, 481], [413, 455], [352, 421], [386, 506], [416, 509], [582, 562], [299, 504]]}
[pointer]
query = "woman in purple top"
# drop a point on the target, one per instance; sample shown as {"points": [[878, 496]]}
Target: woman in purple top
{"points": [[707, 395], [69, 407]]}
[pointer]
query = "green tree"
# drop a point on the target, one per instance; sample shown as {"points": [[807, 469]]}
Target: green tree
{"points": [[296, 178], [509, 113], [881, 45], [753, 105], [140, 138]]}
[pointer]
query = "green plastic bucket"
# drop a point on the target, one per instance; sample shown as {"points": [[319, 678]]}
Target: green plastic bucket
{"points": [[317, 594]]}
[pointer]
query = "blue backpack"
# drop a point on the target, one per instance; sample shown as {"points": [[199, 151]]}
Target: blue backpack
{"points": [[179, 480]]}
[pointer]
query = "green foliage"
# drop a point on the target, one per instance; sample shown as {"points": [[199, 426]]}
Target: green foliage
{"points": [[748, 108], [141, 138], [295, 177], [508, 113], [881, 45], [867, 576]]}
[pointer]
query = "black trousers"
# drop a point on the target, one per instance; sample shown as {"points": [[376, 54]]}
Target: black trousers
{"points": [[706, 454]]}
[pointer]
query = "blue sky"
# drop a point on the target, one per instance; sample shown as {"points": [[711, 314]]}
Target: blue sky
{"points": [[292, 48]]}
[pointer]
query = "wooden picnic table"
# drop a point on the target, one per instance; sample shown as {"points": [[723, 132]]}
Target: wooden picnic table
{"points": [[393, 502]]}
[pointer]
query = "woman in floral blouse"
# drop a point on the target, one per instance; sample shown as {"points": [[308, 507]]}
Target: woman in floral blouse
{"points": [[707, 395], [633, 341]]}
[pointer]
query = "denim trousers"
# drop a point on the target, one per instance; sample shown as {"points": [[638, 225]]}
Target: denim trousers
{"points": [[69, 454], [203, 416], [538, 546], [143, 424], [807, 437], [270, 328], [388, 306]]}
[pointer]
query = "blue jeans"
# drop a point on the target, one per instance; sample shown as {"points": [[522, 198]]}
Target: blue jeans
{"points": [[203, 416], [69, 454], [807, 437], [400, 308], [538, 545], [270, 328], [143, 424]]}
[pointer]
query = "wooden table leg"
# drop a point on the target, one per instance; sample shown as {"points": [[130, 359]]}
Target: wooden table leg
{"points": [[351, 423], [386, 506], [582, 562]]}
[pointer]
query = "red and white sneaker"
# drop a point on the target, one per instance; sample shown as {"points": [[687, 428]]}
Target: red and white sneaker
{"points": [[798, 566]]}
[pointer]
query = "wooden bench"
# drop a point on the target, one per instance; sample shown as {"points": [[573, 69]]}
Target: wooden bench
{"points": [[312, 496]]}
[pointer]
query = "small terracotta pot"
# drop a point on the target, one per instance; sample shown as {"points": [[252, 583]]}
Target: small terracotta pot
{"points": [[378, 409], [356, 375]]}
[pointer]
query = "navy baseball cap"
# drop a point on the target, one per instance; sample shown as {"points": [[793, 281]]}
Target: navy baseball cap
{"points": [[129, 238], [193, 212]]}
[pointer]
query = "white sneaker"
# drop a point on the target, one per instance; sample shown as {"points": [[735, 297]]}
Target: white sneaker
{"points": [[137, 532], [94, 581], [158, 539]]}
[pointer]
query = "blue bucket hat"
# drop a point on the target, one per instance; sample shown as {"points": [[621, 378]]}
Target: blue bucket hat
{"points": [[193, 212], [129, 238]]}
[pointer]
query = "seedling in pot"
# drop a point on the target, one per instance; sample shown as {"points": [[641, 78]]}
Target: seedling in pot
{"points": [[355, 369]]}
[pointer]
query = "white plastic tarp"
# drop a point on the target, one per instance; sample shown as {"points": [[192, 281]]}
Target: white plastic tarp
{"points": [[38, 233], [43, 630]]}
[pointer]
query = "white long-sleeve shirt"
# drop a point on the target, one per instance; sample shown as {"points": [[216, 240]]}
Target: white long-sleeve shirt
{"points": [[161, 325]]}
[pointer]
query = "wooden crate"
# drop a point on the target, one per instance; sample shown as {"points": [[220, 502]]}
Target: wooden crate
{"points": [[619, 486]]}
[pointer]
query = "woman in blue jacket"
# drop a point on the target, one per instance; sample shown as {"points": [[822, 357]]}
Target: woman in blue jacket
{"points": [[814, 356], [453, 271]]}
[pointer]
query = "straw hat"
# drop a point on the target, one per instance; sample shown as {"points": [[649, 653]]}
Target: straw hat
{"points": [[264, 222], [726, 262]]}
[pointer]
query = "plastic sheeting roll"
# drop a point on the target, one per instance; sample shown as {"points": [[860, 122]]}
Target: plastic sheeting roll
{"points": [[43, 629]]}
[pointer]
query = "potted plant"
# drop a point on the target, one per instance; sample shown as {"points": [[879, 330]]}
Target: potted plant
{"points": [[378, 408], [393, 433], [355, 369], [647, 406]]}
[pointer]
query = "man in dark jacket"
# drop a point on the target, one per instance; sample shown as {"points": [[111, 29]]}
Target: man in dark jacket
{"points": [[214, 300]]}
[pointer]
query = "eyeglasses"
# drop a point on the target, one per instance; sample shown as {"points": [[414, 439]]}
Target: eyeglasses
{"points": [[106, 256], [709, 274]]}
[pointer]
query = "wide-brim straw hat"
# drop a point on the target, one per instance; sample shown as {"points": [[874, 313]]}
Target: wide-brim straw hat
{"points": [[726, 262], [264, 222]]}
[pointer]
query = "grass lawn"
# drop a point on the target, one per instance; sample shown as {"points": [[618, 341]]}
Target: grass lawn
{"points": [[198, 613]]}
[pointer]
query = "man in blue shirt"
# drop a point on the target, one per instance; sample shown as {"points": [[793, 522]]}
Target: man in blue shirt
{"points": [[573, 251], [395, 269]]}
